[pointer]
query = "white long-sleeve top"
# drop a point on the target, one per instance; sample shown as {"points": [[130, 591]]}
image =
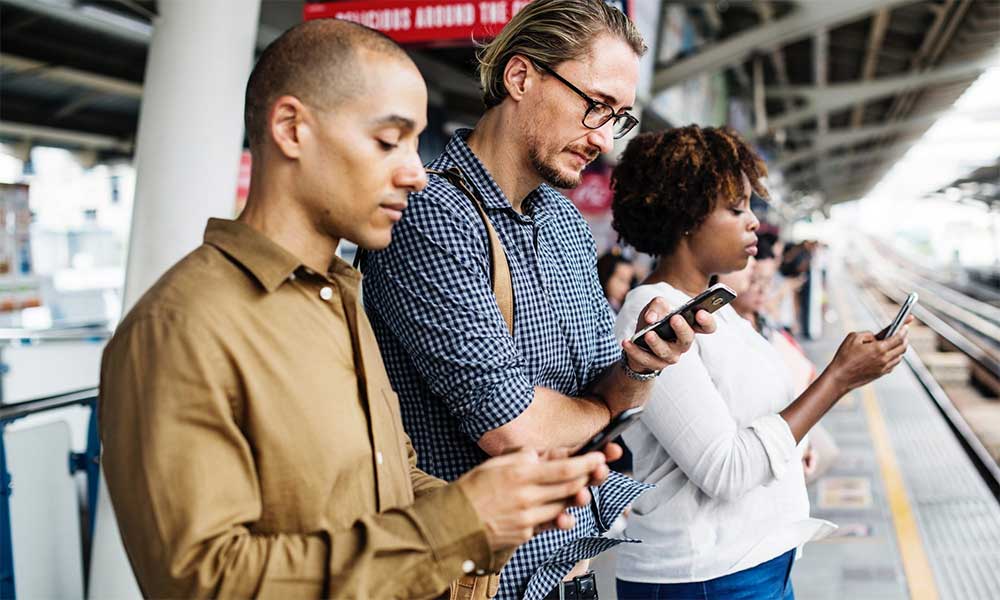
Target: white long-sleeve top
{"points": [[730, 492]]}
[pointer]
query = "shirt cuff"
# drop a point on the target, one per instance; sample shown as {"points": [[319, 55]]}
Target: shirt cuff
{"points": [[501, 404], [453, 530], [778, 441]]}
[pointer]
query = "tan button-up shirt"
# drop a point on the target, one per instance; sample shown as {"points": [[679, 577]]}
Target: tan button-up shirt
{"points": [[253, 445]]}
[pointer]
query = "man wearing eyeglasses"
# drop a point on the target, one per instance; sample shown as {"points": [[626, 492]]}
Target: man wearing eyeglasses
{"points": [[558, 83]]}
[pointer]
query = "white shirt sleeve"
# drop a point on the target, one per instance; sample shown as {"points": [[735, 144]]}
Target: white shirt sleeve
{"points": [[691, 420]]}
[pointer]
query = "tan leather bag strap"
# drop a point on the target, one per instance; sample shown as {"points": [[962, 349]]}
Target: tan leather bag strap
{"points": [[503, 285]]}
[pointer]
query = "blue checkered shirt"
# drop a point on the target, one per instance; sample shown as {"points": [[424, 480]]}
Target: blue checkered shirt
{"points": [[451, 359]]}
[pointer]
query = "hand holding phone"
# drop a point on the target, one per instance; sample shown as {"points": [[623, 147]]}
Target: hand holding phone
{"points": [[897, 322], [709, 301], [615, 428]]}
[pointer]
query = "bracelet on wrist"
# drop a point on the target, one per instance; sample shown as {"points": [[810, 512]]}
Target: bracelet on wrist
{"points": [[635, 375]]}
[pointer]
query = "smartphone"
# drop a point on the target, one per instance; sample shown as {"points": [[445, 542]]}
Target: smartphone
{"points": [[710, 301], [897, 322], [615, 428]]}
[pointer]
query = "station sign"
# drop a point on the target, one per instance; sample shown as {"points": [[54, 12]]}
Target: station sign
{"points": [[428, 21]]}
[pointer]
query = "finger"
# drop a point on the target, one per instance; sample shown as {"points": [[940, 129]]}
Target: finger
{"points": [[658, 347], [683, 331], [640, 359], [864, 337], [892, 365], [705, 320], [538, 516], [896, 352], [566, 469], [582, 498], [613, 452], [565, 521], [562, 521], [656, 310], [909, 319], [598, 475], [555, 453]]}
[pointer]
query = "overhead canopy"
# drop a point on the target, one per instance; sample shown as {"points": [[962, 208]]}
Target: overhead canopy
{"points": [[847, 86]]}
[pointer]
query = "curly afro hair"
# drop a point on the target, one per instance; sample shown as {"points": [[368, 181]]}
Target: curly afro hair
{"points": [[668, 182]]}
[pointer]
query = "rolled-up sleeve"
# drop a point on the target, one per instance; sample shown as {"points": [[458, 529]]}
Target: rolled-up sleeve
{"points": [[184, 485], [431, 291]]}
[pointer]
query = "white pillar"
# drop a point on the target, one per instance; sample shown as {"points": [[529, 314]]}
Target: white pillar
{"points": [[187, 161], [190, 131]]}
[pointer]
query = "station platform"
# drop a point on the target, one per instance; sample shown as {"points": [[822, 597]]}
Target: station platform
{"points": [[916, 519]]}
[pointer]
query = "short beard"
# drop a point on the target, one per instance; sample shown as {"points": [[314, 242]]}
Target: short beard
{"points": [[548, 173]]}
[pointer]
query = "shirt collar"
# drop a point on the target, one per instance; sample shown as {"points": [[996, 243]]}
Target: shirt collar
{"points": [[269, 263], [459, 154]]}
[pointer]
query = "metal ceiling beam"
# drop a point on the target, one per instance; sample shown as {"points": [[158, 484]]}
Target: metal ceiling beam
{"points": [[120, 27], [803, 22], [842, 95], [65, 10], [833, 165], [24, 67], [838, 138], [876, 35], [36, 133]]}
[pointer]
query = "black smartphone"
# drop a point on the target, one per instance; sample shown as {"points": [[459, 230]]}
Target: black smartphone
{"points": [[615, 428], [710, 301], [897, 322]]}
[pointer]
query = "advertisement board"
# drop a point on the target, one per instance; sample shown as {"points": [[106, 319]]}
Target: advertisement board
{"points": [[428, 21]]}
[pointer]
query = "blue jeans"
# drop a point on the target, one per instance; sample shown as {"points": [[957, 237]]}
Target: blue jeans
{"points": [[768, 581]]}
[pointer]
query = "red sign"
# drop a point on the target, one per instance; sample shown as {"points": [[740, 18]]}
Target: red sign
{"points": [[593, 195], [423, 21], [414, 21]]}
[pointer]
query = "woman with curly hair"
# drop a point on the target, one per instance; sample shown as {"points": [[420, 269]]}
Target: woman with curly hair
{"points": [[721, 430]]}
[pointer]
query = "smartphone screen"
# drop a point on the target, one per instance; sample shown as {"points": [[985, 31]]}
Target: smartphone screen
{"points": [[710, 301]]}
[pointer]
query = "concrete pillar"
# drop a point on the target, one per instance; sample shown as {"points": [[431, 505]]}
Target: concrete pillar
{"points": [[187, 161], [190, 131]]}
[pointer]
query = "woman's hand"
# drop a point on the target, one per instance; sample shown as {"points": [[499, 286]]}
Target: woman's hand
{"points": [[862, 359]]}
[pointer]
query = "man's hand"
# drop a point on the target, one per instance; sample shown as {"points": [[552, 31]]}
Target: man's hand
{"points": [[519, 494], [664, 354]]}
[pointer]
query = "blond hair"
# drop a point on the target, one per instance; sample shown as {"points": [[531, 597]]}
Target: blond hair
{"points": [[550, 32]]}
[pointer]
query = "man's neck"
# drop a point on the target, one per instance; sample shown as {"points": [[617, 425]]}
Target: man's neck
{"points": [[505, 160], [680, 271], [271, 211]]}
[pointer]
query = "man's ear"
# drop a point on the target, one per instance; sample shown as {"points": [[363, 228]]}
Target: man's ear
{"points": [[286, 125], [518, 76]]}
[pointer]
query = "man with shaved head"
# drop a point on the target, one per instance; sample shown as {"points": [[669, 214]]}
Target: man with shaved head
{"points": [[252, 444]]}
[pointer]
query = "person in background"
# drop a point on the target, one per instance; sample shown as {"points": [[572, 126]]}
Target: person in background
{"points": [[252, 443], [616, 275], [720, 434]]}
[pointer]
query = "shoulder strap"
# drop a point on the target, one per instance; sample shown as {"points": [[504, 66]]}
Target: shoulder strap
{"points": [[503, 286]]}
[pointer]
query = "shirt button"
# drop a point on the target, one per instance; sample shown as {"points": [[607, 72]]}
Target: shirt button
{"points": [[378, 457], [291, 277], [480, 572], [468, 566], [326, 293]]}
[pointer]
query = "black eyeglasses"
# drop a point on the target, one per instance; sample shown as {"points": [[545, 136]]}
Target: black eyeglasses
{"points": [[598, 113]]}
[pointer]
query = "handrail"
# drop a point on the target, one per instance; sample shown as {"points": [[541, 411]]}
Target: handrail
{"points": [[82, 333], [19, 410]]}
